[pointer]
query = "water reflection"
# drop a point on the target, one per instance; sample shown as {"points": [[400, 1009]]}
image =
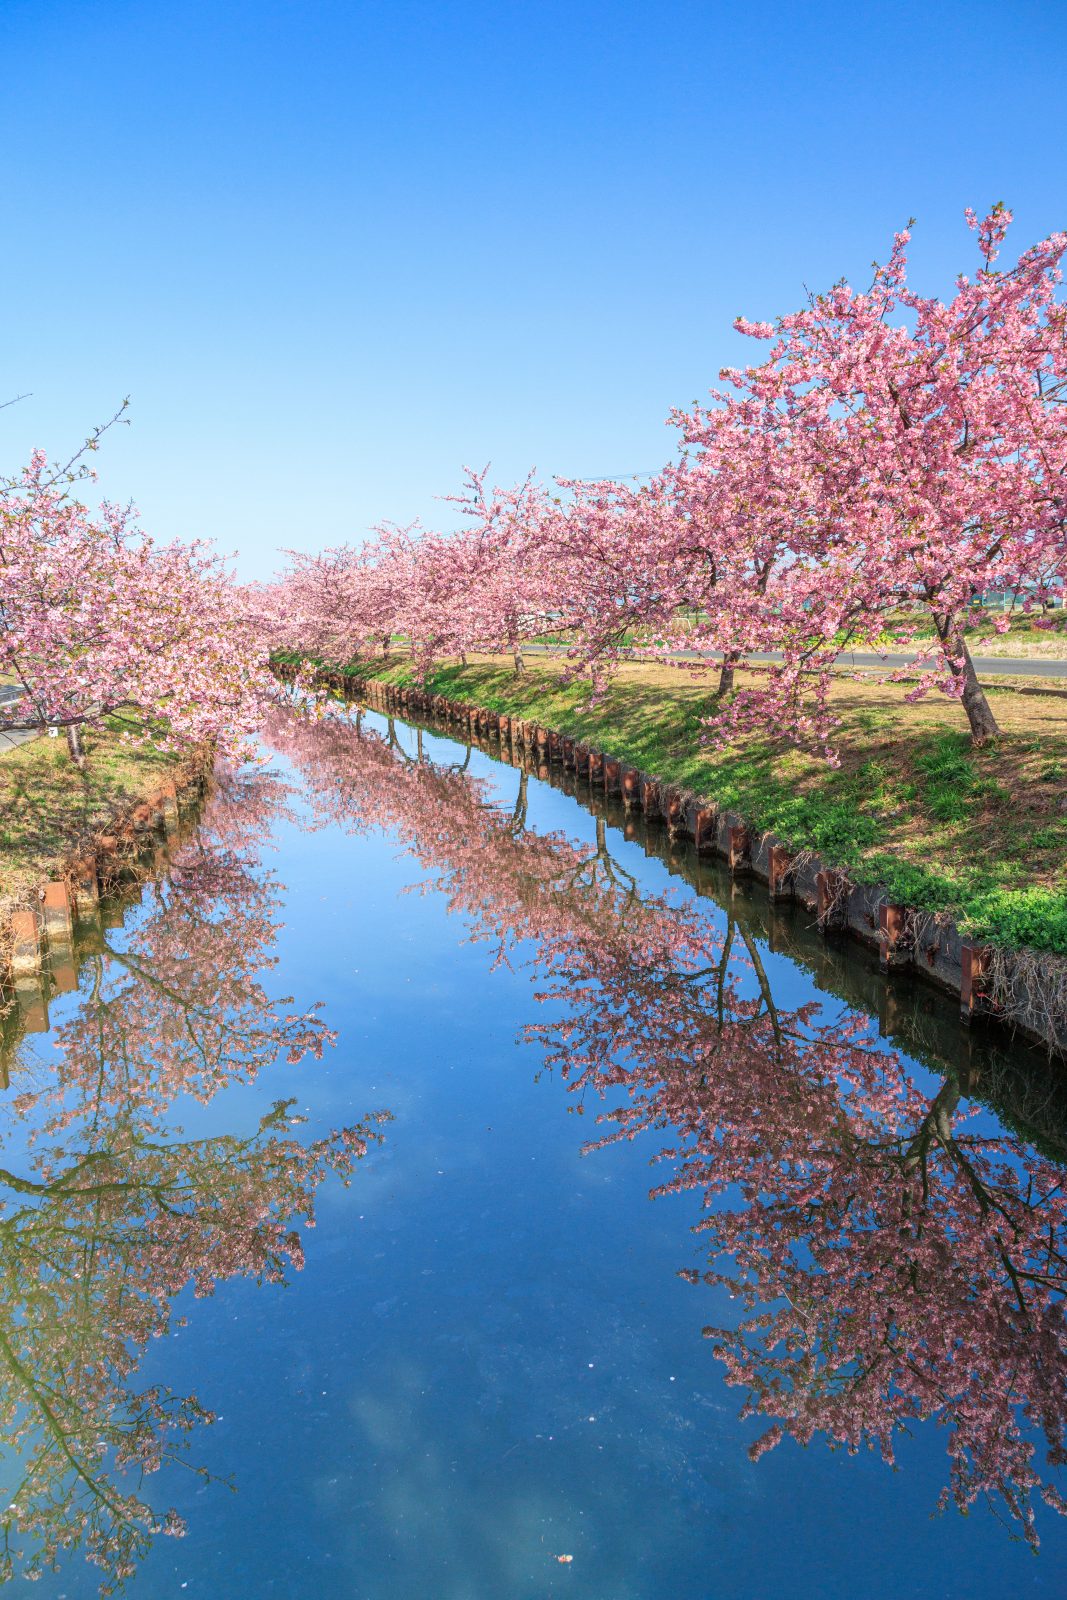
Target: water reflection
{"points": [[108, 1211], [894, 1256]]}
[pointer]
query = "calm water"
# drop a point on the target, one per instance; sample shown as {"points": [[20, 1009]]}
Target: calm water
{"points": [[487, 1353]]}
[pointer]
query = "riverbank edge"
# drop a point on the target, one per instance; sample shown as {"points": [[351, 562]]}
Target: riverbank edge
{"points": [[1023, 990], [32, 937]]}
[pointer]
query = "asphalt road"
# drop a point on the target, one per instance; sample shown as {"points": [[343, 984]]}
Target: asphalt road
{"points": [[11, 738], [986, 666]]}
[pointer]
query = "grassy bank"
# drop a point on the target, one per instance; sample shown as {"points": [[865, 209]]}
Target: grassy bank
{"points": [[49, 809], [979, 834]]}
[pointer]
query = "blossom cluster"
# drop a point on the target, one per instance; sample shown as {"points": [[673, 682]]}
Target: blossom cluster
{"points": [[98, 621], [892, 460]]}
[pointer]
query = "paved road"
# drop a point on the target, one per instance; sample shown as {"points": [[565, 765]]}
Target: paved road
{"points": [[987, 666], [11, 738]]}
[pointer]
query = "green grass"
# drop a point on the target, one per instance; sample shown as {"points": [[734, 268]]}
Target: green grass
{"points": [[979, 834], [48, 808]]}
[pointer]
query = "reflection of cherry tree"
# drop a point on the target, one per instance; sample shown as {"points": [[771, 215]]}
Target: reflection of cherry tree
{"points": [[110, 1213], [178, 1002], [94, 1244], [896, 1262], [365, 782], [896, 1265]]}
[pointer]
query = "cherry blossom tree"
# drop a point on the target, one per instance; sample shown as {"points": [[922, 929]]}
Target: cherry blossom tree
{"points": [[98, 621], [342, 603], [919, 449], [894, 459], [502, 583]]}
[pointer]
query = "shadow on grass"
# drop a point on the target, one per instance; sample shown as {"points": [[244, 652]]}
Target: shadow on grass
{"points": [[48, 808]]}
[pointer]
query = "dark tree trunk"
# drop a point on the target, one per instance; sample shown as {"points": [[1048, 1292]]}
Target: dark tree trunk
{"points": [[518, 816], [726, 671], [980, 718], [74, 744]]}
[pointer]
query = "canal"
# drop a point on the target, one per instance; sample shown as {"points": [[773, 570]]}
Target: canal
{"points": [[425, 1183]]}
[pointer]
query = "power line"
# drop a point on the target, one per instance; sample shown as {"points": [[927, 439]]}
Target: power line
{"points": [[614, 477]]}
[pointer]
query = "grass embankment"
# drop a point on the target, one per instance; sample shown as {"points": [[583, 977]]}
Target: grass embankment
{"points": [[981, 834], [49, 809]]}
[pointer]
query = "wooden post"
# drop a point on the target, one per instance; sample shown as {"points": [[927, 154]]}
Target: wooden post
{"points": [[779, 873], [974, 966], [56, 914], [142, 820], [64, 975], [894, 936], [86, 889], [32, 1004], [168, 804], [707, 827], [739, 848], [25, 944], [831, 889]]}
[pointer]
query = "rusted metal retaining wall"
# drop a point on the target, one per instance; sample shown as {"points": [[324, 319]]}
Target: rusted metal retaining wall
{"points": [[1025, 991]]}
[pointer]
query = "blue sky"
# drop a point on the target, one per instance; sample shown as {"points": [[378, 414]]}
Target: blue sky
{"points": [[334, 251]]}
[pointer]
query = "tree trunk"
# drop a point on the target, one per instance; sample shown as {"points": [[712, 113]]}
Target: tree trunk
{"points": [[520, 665], [518, 816], [983, 723], [726, 672], [74, 745]]}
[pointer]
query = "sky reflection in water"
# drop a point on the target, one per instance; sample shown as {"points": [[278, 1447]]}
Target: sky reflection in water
{"points": [[489, 1359]]}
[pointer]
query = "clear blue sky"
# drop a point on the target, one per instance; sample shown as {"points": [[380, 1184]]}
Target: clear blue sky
{"points": [[335, 250]]}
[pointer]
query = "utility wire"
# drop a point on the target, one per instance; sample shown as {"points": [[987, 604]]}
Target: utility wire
{"points": [[614, 477]]}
